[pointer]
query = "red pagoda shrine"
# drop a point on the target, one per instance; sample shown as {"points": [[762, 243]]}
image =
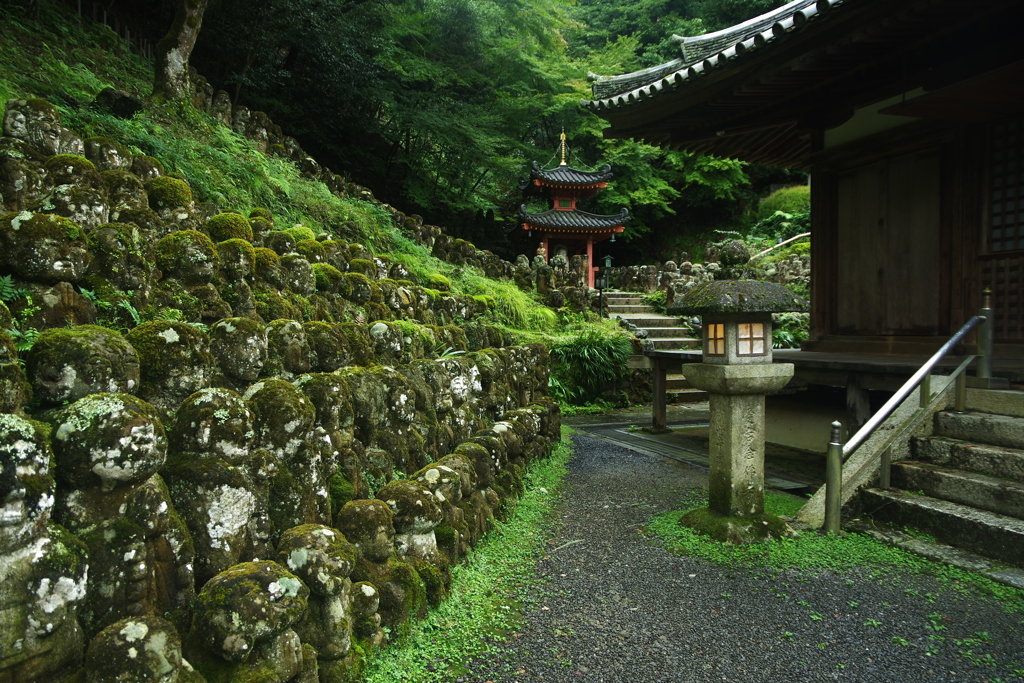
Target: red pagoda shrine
{"points": [[563, 227]]}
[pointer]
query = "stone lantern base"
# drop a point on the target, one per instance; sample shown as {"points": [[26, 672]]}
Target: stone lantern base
{"points": [[736, 397]]}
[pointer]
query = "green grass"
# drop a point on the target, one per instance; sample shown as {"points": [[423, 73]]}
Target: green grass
{"points": [[487, 589], [811, 551]]}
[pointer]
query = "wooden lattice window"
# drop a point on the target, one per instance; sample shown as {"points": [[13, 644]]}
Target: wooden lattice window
{"points": [[1006, 198], [750, 339], [715, 345]]}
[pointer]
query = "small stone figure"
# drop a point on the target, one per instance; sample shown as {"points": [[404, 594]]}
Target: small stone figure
{"points": [[42, 568], [65, 365], [175, 359], [211, 478], [108, 448], [240, 347], [243, 624]]}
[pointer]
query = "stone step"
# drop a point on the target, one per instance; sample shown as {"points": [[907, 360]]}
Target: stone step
{"points": [[997, 430], [995, 461], [649, 320], [628, 308], [674, 343], [623, 297], [687, 396], [1001, 402], [654, 332], [978, 531], [995, 494]]}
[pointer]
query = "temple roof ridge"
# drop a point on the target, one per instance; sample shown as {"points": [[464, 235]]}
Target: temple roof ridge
{"points": [[572, 218], [707, 53]]}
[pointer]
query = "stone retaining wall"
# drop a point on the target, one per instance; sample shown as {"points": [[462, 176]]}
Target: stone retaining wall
{"points": [[281, 463]]}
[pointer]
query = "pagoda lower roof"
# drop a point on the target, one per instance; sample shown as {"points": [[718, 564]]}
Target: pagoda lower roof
{"points": [[563, 219]]}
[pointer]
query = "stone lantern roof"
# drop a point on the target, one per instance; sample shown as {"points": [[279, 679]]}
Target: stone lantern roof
{"points": [[738, 296]]}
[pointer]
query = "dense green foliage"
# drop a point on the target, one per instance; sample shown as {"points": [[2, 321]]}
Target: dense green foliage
{"points": [[440, 105]]}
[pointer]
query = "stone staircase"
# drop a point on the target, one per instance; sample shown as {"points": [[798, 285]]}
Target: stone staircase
{"points": [[964, 486], [664, 333]]}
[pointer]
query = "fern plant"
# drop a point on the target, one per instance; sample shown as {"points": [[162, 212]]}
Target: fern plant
{"points": [[587, 363]]}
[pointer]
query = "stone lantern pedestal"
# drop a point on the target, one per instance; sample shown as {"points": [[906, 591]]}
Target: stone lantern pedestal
{"points": [[736, 399], [737, 371]]}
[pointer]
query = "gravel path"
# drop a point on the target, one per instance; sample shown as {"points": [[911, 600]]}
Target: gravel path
{"points": [[613, 607]]}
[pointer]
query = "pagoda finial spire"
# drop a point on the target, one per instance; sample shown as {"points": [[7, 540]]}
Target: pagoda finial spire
{"points": [[562, 138]]}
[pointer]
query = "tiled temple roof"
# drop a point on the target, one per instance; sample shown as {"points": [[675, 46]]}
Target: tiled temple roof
{"points": [[561, 219], [705, 54]]}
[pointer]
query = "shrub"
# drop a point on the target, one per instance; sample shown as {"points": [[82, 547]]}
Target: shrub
{"points": [[586, 364], [796, 199]]}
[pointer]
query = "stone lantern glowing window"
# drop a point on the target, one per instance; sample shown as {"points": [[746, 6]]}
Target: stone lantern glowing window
{"points": [[750, 339], [716, 340]]}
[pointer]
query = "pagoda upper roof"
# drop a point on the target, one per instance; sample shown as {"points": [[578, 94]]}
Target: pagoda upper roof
{"points": [[562, 219], [566, 176]]}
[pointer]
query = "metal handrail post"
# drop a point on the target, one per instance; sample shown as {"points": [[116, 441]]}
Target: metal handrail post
{"points": [[833, 481], [985, 337], [885, 470]]}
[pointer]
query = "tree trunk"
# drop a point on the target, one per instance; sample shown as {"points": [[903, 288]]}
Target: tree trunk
{"points": [[175, 48]]}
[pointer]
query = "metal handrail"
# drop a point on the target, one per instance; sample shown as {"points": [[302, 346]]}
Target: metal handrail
{"points": [[893, 403], [837, 453]]}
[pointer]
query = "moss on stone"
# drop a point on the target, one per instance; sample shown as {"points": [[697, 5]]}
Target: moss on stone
{"points": [[182, 251], [738, 296], [329, 280], [259, 212], [300, 232], [71, 169], [280, 242], [166, 193], [227, 226], [364, 267], [311, 250], [736, 530]]}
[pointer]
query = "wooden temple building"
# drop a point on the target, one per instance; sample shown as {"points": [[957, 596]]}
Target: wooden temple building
{"points": [[909, 115], [564, 228]]}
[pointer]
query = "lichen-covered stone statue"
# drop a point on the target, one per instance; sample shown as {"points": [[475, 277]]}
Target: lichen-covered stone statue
{"points": [[135, 649], [289, 352], [368, 524], [216, 483], [172, 200], [237, 263], [242, 629], [240, 347], [37, 122], [65, 365], [42, 568], [323, 559], [284, 419], [175, 359], [43, 248], [189, 261], [122, 265], [77, 191], [108, 448]]}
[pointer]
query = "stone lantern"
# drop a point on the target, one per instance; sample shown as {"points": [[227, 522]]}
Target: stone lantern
{"points": [[737, 372]]}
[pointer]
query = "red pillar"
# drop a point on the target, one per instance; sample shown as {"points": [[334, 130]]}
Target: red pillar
{"points": [[590, 262]]}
